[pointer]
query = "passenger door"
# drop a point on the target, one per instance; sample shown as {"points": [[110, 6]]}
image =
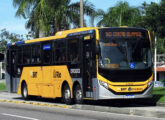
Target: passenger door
{"points": [[87, 68]]}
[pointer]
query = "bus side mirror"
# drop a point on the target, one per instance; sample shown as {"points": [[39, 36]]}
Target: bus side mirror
{"points": [[1, 57]]}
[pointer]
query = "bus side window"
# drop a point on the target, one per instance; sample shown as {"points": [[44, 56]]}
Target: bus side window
{"points": [[60, 55], [36, 54], [27, 54], [20, 55], [73, 51], [47, 52], [60, 51]]}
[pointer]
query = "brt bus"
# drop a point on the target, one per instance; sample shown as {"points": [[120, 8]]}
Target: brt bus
{"points": [[84, 63]]}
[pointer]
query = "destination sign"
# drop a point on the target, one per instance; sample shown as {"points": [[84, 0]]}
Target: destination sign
{"points": [[123, 34]]}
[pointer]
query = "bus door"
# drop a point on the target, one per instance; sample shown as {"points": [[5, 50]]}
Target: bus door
{"points": [[87, 68]]}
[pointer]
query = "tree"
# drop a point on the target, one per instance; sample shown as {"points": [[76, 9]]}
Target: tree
{"points": [[161, 46], [154, 20], [120, 15], [50, 16], [6, 37], [161, 18]]}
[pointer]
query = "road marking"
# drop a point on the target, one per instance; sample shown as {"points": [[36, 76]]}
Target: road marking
{"points": [[29, 118]]}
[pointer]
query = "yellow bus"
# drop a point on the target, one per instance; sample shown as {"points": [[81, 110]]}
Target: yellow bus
{"points": [[85, 63]]}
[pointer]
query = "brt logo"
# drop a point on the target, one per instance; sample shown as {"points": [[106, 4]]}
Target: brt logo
{"points": [[56, 74], [34, 75]]}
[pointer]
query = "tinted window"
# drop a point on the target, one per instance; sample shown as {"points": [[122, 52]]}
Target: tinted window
{"points": [[60, 51], [36, 54], [27, 54], [73, 50], [47, 52]]}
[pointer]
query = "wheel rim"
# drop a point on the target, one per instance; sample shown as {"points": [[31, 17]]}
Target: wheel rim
{"points": [[25, 92], [78, 95], [67, 94]]}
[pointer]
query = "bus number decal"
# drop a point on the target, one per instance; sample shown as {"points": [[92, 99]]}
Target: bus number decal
{"points": [[74, 71], [56, 74]]}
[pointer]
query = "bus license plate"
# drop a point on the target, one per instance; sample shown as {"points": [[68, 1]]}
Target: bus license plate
{"points": [[129, 96]]}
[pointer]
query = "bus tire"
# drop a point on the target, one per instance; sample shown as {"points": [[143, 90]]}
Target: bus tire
{"points": [[24, 92], [78, 97], [66, 94]]}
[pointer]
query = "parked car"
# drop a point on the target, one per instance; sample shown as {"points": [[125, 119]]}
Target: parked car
{"points": [[158, 84]]}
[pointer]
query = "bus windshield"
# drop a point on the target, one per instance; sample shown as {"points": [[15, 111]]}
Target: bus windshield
{"points": [[125, 53]]}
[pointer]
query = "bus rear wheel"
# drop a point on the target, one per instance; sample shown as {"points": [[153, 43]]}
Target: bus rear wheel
{"points": [[24, 92], [66, 94], [78, 95]]}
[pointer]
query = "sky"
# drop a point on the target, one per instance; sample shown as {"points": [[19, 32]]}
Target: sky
{"points": [[14, 24]]}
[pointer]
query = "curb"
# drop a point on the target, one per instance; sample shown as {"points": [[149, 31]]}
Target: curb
{"points": [[35, 103], [160, 104]]}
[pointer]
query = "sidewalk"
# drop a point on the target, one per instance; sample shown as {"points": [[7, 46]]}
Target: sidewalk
{"points": [[147, 111]]}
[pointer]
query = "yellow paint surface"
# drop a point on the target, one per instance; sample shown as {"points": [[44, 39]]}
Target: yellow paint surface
{"points": [[48, 81]]}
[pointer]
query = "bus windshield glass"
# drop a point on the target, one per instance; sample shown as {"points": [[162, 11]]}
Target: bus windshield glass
{"points": [[124, 50]]}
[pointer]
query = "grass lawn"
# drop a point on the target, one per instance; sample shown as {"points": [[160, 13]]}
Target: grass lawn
{"points": [[159, 94], [2, 86]]}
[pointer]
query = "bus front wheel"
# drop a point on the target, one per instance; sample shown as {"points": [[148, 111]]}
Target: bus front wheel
{"points": [[66, 94]]}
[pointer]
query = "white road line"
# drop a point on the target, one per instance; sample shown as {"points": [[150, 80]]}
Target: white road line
{"points": [[19, 116]]}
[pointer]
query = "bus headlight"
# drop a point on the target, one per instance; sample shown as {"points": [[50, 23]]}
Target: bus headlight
{"points": [[150, 83], [104, 84]]}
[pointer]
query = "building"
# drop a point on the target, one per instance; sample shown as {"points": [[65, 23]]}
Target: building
{"points": [[161, 67]]}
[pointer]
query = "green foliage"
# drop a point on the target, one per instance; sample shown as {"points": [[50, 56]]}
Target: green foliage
{"points": [[6, 37], [50, 16], [2, 86], [160, 93], [120, 15], [154, 20], [161, 45]]}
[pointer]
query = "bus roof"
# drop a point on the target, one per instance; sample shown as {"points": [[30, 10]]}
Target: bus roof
{"points": [[58, 35]]}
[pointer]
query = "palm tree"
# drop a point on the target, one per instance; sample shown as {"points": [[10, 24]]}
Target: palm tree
{"points": [[120, 15], [50, 16]]}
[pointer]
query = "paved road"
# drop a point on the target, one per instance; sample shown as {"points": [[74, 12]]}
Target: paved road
{"points": [[10, 111]]}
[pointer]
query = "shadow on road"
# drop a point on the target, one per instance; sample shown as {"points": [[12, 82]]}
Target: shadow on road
{"points": [[111, 103], [123, 103]]}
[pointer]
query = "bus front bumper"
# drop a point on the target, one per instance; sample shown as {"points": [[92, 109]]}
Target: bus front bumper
{"points": [[102, 93]]}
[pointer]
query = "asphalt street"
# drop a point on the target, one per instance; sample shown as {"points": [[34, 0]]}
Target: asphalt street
{"points": [[10, 111]]}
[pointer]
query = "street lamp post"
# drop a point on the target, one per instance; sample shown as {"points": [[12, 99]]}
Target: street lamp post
{"points": [[81, 13], [155, 61]]}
